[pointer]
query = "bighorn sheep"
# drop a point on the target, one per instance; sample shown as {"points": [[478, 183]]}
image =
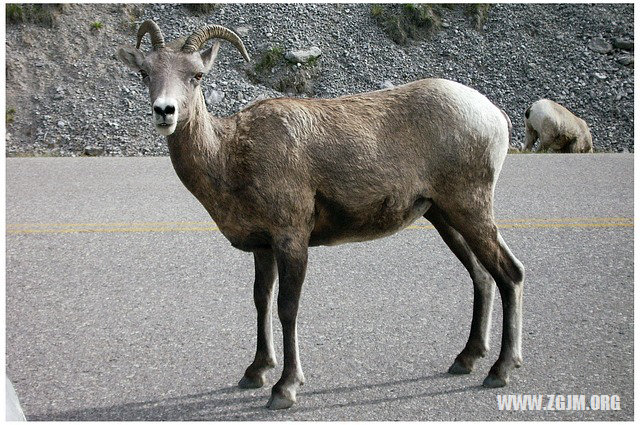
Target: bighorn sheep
{"points": [[556, 127], [286, 174]]}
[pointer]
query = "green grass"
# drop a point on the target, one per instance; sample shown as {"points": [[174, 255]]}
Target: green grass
{"points": [[42, 14], [404, 22], [14, 13], [96, 25], [407, 21], [132, 13], [270, 59], [376, 10], [200, 8], [478, 12], [10, 115]]}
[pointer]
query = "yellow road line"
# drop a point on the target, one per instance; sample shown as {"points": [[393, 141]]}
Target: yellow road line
{"points": [[196, 226], [27, 226], [516, 220], [541, 225], [115, 230], [168, 223]]}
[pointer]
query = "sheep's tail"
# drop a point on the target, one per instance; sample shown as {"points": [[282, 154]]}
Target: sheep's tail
{"points": [[509, 125]]}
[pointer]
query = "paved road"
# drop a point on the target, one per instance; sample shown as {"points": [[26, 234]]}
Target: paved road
{"points": [[125, 303]]}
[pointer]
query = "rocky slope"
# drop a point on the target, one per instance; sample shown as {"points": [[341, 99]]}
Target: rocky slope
{"points": [[67, 94]]}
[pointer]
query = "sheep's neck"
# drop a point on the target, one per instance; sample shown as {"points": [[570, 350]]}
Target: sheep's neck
{"points": [[194, 149]]}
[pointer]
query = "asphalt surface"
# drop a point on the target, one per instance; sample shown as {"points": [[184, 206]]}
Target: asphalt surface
{"points": [[124, 303]]}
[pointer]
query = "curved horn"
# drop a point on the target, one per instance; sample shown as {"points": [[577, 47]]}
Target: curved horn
{"points": [[157, 40], [202, 35]]}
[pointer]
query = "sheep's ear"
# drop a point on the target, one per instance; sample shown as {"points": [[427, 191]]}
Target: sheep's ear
{"points": [[131, 57], [209, 56]]}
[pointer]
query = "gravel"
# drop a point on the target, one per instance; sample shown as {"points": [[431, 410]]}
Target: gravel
{"points": [[72, 97]]}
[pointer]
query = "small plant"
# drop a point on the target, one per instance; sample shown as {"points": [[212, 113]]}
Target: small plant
{"points": [[275, 71], [409, 7], [313, 61], [131, 13], [10, 115], [97, 25], [423, 16], [41, 14], [200, 8], [270, 59], [450, 6], [478, 12], [14, 13], [402, 22]]}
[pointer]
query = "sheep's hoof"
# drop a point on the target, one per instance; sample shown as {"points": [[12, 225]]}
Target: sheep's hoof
{"points": [[458, 368], [278, 401], [493, 381], [247, 382]]}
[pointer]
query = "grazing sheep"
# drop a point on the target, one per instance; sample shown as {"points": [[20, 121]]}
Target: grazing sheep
{"points": [[286, 174], [557, 128]]}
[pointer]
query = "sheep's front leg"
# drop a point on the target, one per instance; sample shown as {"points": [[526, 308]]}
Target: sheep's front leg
{"points": [[292, 264], [265, 358]]}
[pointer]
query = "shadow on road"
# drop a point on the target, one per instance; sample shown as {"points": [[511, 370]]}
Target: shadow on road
{"points": [[233, 403]]}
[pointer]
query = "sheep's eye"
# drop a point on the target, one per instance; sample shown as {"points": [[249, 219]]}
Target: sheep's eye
{"points": [[143, 73], [198, 76]]}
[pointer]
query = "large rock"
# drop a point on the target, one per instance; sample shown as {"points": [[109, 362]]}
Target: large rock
{"points": [[303, 56], [600, 45], [624, 44]]}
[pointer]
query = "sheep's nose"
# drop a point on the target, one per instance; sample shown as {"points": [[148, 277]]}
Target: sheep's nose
{"points": [[167, 110], [164, 106]]}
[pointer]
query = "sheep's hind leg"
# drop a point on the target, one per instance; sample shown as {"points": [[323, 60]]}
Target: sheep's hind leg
{"points": [[530, 137], [265, 359], [481, 234], [483, 293], [292, 263]]}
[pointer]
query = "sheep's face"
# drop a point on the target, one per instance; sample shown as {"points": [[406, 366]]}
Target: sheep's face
{"points": [[173, 78]]}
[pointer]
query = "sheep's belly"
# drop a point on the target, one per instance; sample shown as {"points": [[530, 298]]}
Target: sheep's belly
{"points": [[334, 225]]}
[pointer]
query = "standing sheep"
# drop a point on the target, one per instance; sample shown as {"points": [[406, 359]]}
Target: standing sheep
{"points": [[286, 174], [557, 128]]}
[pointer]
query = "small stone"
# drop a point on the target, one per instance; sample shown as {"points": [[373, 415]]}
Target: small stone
{"points": [[214, 97], [61, 123], [242, 31], [600, 76], [600, 45], [386, 84], [626, 60]]}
